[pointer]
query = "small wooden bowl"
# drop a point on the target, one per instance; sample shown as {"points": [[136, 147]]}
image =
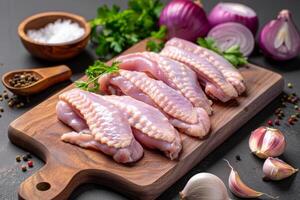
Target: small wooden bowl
{"points": [[53, 52]]}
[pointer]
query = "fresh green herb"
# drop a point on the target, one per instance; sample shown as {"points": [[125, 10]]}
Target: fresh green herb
{"points": [[209, 43], [114, 30], [233, 54], [93, 73], [154, 46], [161, 33], [157, 44]]}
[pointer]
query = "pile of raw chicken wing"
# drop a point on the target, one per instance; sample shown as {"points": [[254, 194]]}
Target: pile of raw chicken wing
{"points": [[150, 102]]}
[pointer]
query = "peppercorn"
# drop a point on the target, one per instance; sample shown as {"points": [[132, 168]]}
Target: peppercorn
{"points": [[296, 107], [277, 111], [277, 122], [24, 168], [1, 109], [10, 103], [280, 115], [25, 158], [290, 85], [270, 123], [298, 115], [30, 163], [291, 121], [5, 96], [281, 112], [18, 158], [238, 157], [283, 105], [28, 155], [294, 100]]}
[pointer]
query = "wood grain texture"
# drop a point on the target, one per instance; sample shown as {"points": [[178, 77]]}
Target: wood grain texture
{"points": [[47, 76], [53, 52], [68, 166]]}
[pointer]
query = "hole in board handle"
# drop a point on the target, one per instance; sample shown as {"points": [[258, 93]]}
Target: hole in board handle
{"points": [[43, 186]]}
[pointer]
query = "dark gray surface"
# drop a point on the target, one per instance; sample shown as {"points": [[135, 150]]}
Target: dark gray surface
{"points": [[14, 56]]}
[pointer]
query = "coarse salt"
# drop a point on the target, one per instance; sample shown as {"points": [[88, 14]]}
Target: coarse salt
{"points": [[60, 31]]}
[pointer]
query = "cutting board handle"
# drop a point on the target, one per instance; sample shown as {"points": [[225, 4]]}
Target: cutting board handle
{"points": [[53, 181]]}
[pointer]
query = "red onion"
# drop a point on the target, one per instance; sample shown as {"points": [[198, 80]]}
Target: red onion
{"points": [[228, 34], [280, 38], [234, 12], [184, 19]]}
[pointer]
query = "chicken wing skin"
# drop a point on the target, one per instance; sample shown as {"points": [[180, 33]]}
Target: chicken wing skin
{"points": [[214, 81], [173, 73], [150, 127], [108, 129], [231, 74], [168, 100]]}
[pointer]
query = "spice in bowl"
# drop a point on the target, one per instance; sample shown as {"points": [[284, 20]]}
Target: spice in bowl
{"points": [[23, 79], [61, 31]]}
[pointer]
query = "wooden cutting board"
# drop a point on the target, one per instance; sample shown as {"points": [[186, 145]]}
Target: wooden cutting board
{"points": [[67, 166]]}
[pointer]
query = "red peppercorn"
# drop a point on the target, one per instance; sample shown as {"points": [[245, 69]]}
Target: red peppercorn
{"points": [[30, 163], [291, 121], [277, 122], [270, 123], [24, 168]]}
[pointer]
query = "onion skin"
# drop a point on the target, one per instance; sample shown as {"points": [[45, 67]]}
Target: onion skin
{"points": [[222, 13], [184, 19], [232, 33], [283, 30]]}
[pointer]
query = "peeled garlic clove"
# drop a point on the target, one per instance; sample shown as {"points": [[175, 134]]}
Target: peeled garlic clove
{"points": [[239, 188], [267, 142], [276, 169], [204, 186]]}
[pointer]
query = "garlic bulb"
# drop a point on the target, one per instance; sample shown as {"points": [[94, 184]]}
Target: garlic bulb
{"points": [[239, 188], [204, 186], [267, 142], [276, 169]]}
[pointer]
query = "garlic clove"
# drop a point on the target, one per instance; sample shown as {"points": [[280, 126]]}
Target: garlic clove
{"points": [[267, 142], [239, 188], [276, 169], [204, 186]]}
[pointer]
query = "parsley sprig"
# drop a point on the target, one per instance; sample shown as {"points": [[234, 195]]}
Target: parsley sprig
{"points": [[93, 73], [114, 30], [232, 54], [158, 43]]}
